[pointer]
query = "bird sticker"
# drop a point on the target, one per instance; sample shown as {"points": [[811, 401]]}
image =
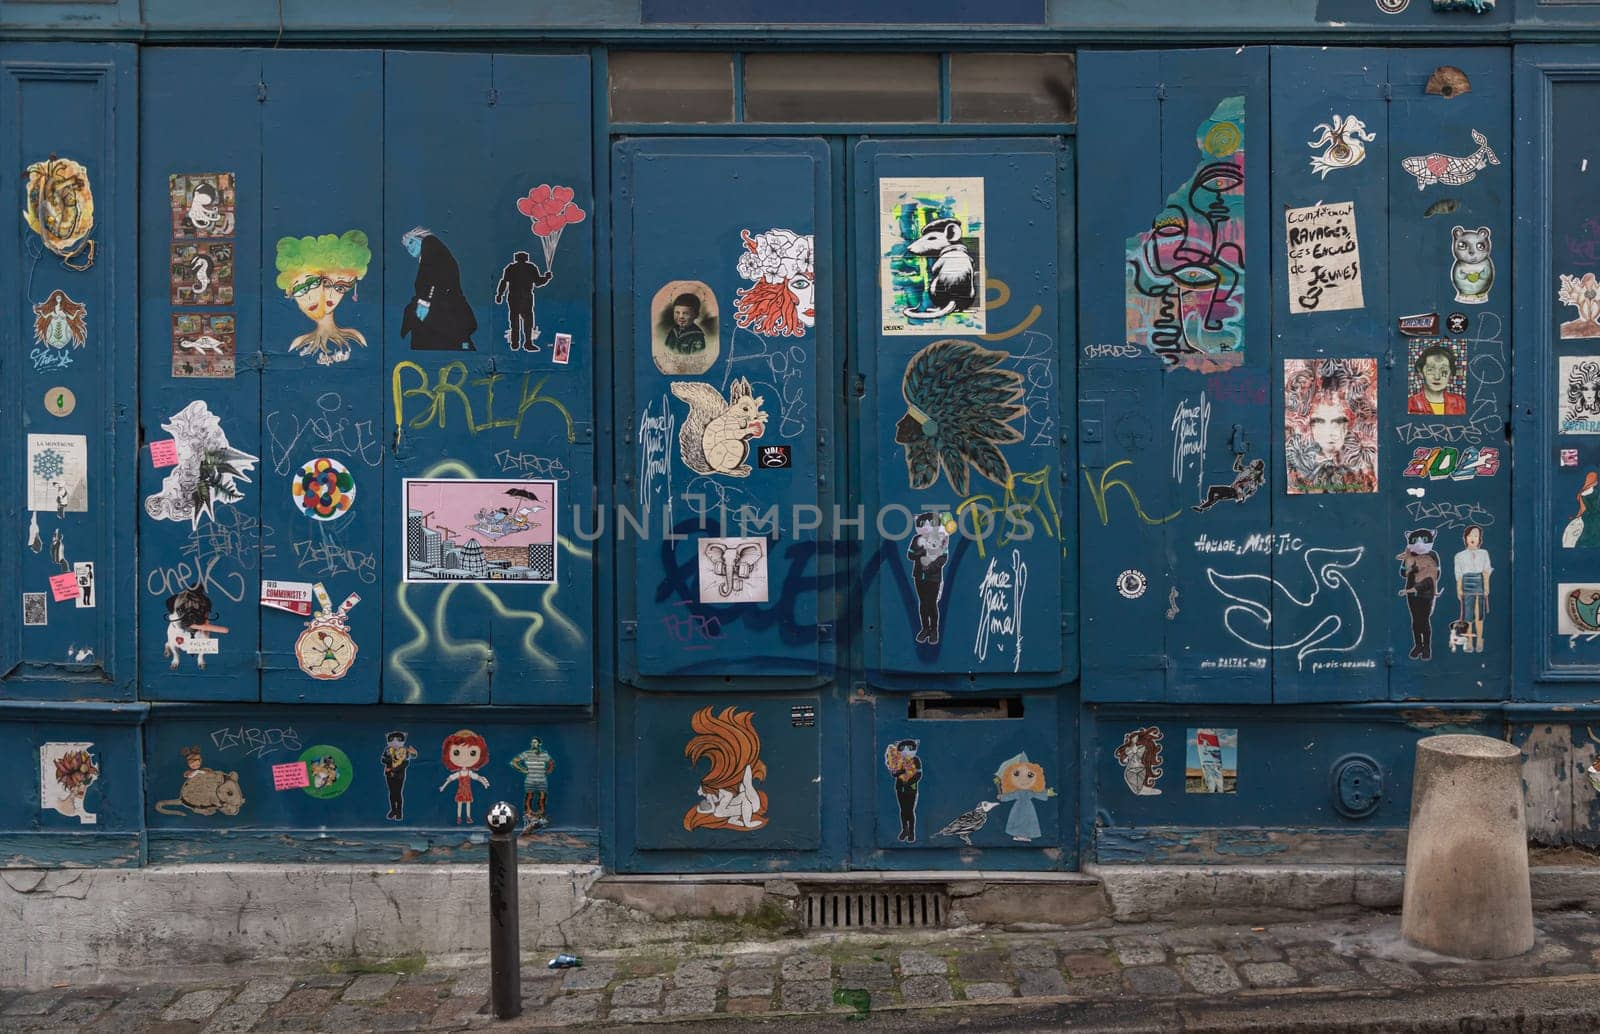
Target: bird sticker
{"points": [[969, 822], [716, 436], [961, 406]]}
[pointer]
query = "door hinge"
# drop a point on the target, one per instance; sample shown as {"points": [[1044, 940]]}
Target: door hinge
{"points": [[630, 629], [858, 387], [825, 633], [1386, 91], [1161, 91], [261, 92]]}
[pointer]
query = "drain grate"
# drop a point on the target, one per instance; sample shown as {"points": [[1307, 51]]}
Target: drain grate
{"points": [[875, 906]]}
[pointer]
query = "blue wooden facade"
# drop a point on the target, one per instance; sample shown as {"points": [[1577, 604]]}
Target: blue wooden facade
{"points": [[780, 551]]}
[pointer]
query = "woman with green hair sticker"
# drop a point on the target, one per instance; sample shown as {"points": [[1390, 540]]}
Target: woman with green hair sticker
{"points": [[317, 272]]}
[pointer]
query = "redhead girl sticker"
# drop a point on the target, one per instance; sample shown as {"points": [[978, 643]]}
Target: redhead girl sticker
{"points": [[464, 752], [782, 296]]}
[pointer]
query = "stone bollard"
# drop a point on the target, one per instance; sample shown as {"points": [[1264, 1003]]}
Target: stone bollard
{"points": [[1467, 892]]}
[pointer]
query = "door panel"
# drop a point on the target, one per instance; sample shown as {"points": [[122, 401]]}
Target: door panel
{"points": [[209, 132], [965, 450], [458, 125], [1177, 231], [728, 420]]}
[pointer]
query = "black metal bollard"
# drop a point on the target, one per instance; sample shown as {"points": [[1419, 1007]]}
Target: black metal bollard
{"points": [[505, 949]]}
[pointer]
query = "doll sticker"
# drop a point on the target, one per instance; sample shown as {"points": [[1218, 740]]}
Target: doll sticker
{"points": [[463, 753], [1022, 782]]}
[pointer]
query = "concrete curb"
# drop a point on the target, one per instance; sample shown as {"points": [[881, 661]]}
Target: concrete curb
{"points": [[106, 925]]}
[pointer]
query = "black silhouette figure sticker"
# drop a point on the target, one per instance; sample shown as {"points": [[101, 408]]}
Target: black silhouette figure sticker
{"points": [[518, 281]]}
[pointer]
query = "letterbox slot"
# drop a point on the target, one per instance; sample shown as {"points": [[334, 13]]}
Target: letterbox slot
{"points": [[942, 707]]}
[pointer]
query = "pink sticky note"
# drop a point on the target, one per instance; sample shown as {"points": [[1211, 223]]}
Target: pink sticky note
{"points": [[64, 586], [164, 453], [292, 776]]}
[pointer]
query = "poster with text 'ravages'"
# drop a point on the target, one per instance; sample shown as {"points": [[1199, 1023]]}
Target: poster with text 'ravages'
{"points": [[480, 531], [1324, 258], [931, 251]]}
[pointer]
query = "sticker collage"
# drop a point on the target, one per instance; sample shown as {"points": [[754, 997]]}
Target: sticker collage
{"points": [[222, 775], [730, 444], [59, 211], [1578, 416], [1185, 301]]}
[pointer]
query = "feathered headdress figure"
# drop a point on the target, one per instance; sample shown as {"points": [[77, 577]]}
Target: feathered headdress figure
{"points": [[959, 409]]}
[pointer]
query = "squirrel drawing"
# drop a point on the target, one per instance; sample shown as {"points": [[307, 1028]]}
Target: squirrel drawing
{"points": [[715, 439]]}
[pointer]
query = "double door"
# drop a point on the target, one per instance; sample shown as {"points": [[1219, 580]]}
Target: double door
{"points": [[843, 395]]}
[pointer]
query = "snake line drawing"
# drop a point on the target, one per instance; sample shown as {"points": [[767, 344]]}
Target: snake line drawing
{"points": [[1250, 620]]}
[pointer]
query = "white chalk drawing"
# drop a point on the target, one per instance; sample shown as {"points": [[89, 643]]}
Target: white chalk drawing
{"points": [[733, 570], [1343, 142], [1191, 426], [655, 461], [1000, 609], [1251, 620], [1449, 170]]}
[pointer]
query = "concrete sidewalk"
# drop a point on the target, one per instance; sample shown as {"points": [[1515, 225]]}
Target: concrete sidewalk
{"points": [[1346, 974]]}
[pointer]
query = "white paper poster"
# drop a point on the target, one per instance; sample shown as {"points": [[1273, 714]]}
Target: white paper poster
{"points": [[66, 771], [58, 473], [1324, 258]]}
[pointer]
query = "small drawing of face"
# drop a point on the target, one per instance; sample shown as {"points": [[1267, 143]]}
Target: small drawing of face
{"points": [[682, 317], [1436, 373], [318, 295], [465, 755], [1330, 426], [1024, 777], [414, 247], [804, 289], [194, 761], [1474, 538]]}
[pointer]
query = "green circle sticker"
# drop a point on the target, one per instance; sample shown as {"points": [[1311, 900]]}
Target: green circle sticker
{"points": [[329, 770]]}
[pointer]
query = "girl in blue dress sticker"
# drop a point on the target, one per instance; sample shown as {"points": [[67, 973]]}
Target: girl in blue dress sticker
{"points": [[1022, 782]]}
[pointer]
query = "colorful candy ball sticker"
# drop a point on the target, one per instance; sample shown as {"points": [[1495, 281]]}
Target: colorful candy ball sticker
{"points": [[324, 490], [329, 770]]}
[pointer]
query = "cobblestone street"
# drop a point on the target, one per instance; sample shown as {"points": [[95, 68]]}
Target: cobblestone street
{"points": [[1119, 969]]}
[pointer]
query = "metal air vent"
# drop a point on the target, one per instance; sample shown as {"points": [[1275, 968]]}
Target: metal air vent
{"points": [[873, 906]]}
